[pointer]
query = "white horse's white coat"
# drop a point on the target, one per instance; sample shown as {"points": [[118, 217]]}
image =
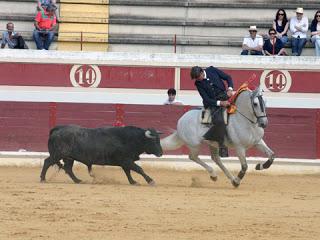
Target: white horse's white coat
{"points": [[244, 130]]}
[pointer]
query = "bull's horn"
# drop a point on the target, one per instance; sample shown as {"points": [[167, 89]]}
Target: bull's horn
{"points": [[159, 132], [149, 134]]}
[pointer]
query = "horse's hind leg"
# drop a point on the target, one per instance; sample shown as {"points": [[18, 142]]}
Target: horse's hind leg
{"points": [[49, 161], [194, 156], [68, 164], [216, 158], [262, 146]]}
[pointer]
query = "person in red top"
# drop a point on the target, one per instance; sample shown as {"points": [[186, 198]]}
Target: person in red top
{"points": [[45, 25]]}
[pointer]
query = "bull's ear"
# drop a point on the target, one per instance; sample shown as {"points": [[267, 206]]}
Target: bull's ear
{"points": [[149, 134]]}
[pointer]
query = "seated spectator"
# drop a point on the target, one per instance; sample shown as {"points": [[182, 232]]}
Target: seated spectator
{"points": [[252, 45], [43, 4], [12, 38], [281, 25], [273, 46], [45, 25], [298, 27], [172, 98], [315, 32]]}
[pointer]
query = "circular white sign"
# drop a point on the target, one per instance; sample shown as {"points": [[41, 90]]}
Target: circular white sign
{"points": [[89, 76], [276, 80]]}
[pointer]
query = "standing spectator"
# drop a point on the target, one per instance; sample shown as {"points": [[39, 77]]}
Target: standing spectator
{"points": [[45, 23], [273, 46], [298, 27], [252, 45], [12, 38], [172, 98], [281, 25], [315, 32]]}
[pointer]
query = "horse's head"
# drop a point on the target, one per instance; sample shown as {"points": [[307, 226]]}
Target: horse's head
{"points": [[259, 107]]}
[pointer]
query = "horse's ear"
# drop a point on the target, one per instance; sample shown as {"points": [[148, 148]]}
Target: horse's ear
{"points": [[257, 91]]}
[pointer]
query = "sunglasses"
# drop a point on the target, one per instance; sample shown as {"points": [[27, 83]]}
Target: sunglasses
{"points": [[272, 33], [281, 14], [252, 31], [317, 15]]}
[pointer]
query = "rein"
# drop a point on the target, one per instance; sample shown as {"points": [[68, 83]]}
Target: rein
{"points": [[233, 108]]}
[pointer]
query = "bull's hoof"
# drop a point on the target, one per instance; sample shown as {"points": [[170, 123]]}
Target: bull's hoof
{"points": [[214, 178], [77, 181], [236, 182], [152, 183]]}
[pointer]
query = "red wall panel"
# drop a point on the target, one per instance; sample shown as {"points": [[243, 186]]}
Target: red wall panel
{"points": [[291, 132], [58, 75], [301, 81]]}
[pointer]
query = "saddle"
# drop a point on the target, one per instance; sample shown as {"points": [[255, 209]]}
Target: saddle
{"points": [[206, 116]]}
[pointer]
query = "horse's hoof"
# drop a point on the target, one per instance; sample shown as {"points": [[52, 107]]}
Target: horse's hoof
{"points": [[259, 166], [77, 181], [42, 181], [214, 178], [236, 182], [152, 183], [135, 184]]}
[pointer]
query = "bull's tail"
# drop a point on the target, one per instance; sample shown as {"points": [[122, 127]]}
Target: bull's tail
{"points": [[171, 142]]}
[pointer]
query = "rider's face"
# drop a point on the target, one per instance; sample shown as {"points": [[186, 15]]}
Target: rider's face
{"points": [[201, 76]]}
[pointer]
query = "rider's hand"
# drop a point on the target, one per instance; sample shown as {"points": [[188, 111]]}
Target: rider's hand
{"points": [[224, 104], [229, 93]]}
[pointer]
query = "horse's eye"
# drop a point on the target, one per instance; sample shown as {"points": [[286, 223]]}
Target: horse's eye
{"points": [[255, 104]]}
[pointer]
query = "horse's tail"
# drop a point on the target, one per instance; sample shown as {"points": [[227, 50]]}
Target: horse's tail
{"points": [[171, 142]]}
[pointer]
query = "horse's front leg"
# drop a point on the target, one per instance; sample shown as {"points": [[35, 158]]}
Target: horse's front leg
{"points": [[241, 153], [262, 146], [216, 158]]}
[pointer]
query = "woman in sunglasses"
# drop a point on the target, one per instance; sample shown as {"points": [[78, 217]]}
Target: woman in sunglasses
{"points": [[315, 32], [273, 46], [281, 25]]}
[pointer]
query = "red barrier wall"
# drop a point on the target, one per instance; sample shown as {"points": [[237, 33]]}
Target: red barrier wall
{"points": [[291, 133], [102, 76], [58, 75]]}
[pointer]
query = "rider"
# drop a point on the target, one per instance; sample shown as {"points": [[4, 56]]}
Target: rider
{"points": [[215, 87]]}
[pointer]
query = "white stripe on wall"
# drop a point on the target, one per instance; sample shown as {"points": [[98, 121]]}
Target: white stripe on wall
{"points": [[138, 96]]}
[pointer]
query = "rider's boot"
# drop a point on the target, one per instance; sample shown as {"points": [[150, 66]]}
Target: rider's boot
{"points": [[223, 150]]}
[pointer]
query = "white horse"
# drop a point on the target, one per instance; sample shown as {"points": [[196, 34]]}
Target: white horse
{"points": [[245, 129]]}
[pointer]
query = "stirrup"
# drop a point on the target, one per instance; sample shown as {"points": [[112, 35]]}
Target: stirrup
{"points": [[223, 151]]}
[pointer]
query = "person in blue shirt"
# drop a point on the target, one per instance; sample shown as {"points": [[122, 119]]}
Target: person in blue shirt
{"points": [[273, 45], [215, 87], [12, 38]]}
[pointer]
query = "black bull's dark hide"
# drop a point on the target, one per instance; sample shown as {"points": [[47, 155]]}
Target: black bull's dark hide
{"points": [[116, 146]]}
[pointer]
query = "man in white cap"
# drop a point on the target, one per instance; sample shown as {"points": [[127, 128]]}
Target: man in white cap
{"points": [[253, 44], [298, 27]]}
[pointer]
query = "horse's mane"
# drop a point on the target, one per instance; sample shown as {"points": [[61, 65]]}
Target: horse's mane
{"points": [[244, 87]]}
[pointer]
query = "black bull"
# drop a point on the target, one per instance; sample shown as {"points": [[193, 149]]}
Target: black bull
{"points": [[115, 146]]}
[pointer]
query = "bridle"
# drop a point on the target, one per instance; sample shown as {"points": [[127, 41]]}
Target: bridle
{"points": [[262, 108]]}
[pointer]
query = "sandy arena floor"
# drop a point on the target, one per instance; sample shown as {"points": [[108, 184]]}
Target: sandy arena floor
{"points": [[183, 205]]}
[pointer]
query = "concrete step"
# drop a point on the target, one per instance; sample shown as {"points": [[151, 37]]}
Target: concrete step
{"points": [[77, 13], [310, 4], [31, 44], [19, 26], [180, 40], [18, 7], [239, 32], [200, 14], [155, 48]]}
